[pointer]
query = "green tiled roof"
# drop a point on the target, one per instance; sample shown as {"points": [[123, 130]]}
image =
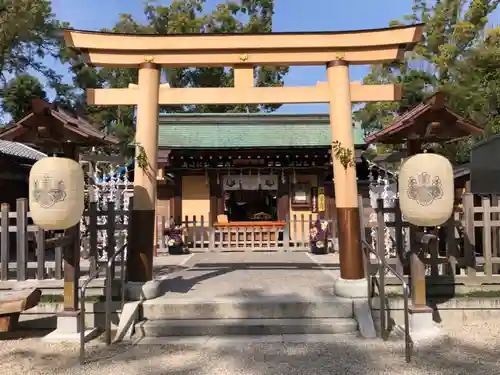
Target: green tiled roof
{"points": [[198, 131]]}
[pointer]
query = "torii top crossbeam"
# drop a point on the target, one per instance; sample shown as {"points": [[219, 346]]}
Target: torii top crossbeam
{"points": [[216, 50], [243, 51]]}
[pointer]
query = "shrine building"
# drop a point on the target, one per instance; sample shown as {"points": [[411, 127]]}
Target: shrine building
{"points": [[245, 170]]}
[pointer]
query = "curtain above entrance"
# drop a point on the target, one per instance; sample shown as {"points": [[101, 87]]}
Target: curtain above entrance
{"points": [[250, 182]]}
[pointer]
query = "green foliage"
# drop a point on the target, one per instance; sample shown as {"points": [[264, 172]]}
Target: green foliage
{"points": [[29, 32], [458, 55], [141, 157], [19, 92], [344, 155], [188, 16]]}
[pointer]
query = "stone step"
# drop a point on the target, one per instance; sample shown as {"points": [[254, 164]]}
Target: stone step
{"points": [[247, 308], [249, 327]]}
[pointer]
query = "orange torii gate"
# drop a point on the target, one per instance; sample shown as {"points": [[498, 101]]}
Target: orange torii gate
{"points": [[334, 50]]}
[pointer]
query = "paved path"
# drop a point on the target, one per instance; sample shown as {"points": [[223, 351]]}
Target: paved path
{"points": [[472, 349], [237, 275]]}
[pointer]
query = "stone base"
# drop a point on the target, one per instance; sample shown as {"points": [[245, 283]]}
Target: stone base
{"points": [[423, 330], [140, 291], [351, 288], [422, 326], [69, 328]]}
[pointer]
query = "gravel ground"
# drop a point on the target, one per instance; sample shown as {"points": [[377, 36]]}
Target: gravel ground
{"points": [[466, 350]]}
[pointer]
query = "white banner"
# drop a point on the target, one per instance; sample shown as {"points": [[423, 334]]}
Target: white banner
{"points": [[249, 183]]}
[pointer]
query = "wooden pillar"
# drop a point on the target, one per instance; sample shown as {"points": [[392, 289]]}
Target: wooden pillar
{"points": [[71, 251], [215, 189], [417, 267], [176, 207], [283, 203], [331, 209], [346, 190], [140, 258]]}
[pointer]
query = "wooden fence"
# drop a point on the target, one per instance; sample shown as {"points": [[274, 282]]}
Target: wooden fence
{"points": [[292, 236], [28, 252], [468, 251]]}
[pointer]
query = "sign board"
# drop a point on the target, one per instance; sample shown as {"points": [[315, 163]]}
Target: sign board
{"points": [[321, 199]]}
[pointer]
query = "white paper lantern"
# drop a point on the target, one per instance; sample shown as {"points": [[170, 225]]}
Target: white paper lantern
{"points": [[56, 188], [426, 189]]}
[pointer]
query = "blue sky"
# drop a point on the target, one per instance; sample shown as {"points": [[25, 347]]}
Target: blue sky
{"points": [[290, 15]]}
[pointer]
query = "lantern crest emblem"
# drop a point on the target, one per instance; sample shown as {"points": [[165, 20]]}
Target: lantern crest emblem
{"points": [[47, 192], [423, 189]]}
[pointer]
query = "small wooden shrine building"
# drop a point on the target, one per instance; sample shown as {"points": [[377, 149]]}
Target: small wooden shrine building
{"points": [[429, 122]]}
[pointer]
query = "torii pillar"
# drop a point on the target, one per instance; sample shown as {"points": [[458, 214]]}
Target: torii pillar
{"points": [[141, 243], [344, 176]]}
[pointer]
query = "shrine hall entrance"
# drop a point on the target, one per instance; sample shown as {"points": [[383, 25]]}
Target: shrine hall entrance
{"points": [[250, 217], [250, 205], [250, 198]]}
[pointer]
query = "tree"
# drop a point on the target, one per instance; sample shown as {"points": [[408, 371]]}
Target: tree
{"points": [[19, 92], [29, 32], [453, 28], [188, 16]]}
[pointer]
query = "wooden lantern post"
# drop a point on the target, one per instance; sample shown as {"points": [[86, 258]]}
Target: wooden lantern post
{"points": [[52, 129], [243, 52], [429, 122]]}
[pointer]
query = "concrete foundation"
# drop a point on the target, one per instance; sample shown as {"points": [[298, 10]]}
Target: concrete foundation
{"points": [[423, 329], [69, 328], [351, 288]]}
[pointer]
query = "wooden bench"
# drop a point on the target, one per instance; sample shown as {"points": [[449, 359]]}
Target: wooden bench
{"points": [[13, 303]]}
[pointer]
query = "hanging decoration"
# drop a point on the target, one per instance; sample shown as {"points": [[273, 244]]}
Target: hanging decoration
{"points": [[269, 182], [106, 183], [314, 200], [383, 188]]}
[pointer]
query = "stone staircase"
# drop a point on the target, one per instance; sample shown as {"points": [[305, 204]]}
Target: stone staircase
{"points": [[252, 316]]}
